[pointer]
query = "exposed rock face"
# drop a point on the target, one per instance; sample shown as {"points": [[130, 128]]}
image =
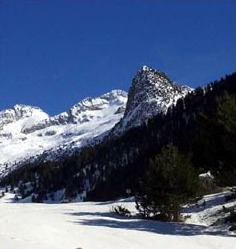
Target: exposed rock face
{"points": [[151, 92]]}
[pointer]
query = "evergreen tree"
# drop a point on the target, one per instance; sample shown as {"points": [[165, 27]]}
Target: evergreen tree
{"points": [[226, 119], [171, 181], [226, 112]]}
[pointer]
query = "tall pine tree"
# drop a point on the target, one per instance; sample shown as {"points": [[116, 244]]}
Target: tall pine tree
{"points": [[171, 181]]}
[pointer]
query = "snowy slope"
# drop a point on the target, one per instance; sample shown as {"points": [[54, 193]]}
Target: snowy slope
{"points": [[211, 212], [92, 226], [27, 131]]}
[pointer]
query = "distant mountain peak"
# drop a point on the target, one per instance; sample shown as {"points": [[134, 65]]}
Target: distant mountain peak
{"points": [[19, 112], [81, 112], [27, 132], [151, 92]]}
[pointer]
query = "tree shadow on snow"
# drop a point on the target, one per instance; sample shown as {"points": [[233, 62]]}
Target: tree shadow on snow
{"points": [[115, 221], [206, 203]]}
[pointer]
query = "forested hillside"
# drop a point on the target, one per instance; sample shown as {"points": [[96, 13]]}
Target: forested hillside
{"points": [[202, 126]]}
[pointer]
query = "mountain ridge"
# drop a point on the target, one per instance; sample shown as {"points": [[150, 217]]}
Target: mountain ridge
{"points": [[105, 170], [28, 132]]}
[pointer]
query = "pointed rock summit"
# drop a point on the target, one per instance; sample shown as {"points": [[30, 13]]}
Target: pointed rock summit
{"points": [[151, 92]]}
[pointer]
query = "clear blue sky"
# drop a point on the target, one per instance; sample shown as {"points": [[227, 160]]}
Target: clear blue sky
{"points": [[55, 53]]}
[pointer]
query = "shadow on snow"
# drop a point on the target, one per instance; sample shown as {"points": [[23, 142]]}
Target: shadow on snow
{"points": [[111, 220]]}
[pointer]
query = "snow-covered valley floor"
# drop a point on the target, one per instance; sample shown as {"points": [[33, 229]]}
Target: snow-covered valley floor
{"points": [[92, 226]]}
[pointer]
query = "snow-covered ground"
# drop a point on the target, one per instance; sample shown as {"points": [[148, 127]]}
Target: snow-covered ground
{"points": [[92, 225]]}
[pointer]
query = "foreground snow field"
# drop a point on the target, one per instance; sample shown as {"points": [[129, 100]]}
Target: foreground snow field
{"points": [[92, 226]]}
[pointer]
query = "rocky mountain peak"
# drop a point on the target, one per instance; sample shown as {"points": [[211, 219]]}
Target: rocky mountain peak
{"points": [[89, 108], [20, 112], [151, 92]]}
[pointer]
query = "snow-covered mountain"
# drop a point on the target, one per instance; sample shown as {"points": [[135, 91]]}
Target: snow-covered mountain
{"points": [[26, 115], [151, 92], [27, 131]]}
